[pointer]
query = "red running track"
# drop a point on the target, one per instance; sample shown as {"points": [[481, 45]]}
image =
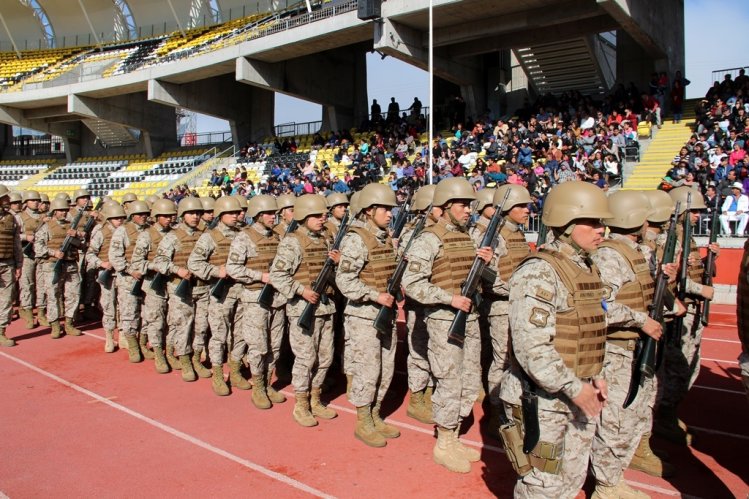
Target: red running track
{"points": [[76, 422]]}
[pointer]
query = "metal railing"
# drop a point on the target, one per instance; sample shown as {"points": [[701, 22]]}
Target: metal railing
{"points": [[293, 128], [204, 138], [719, 74], [203, 168]]}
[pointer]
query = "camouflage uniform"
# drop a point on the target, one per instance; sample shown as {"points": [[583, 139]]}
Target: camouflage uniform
{"points": [[29, 293], [543, 324], [121, 251], [204, 263], [67, 290], [457, 371], [11, 258], [98, 253], [367, 262], [290, 272], [171, 255], [628, 287], [154, 305]]}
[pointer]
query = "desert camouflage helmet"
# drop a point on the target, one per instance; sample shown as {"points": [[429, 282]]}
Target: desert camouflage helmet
{"points": [[226, 204], [163, 207], [113, 210], [453, 189], [630, 209], [309, 204], [151, 199], [574, 201], [59, 204], [138, 207], [262, 203], [353, 206], [189, 204], [31, 196], [484, 197], [44, 198], [129, 197], [4, 191], [16, 197], [285, 201], [376, 195], [336, 198], [519, 195], [63, 195], [423, 198], [682, 193], [208, 203], [241, 200], [81, 193], [661, 205]]}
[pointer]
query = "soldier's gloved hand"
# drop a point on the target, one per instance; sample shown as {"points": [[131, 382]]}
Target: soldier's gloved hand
{"points": [[265, 278], [184, 273], [653, 328], [588, 402], [708, 292], [715, 248], [309, 295], [485, 253], [136, 275], [461, 303], [222, 271], [385, 299], [72, 233], [30, 238]]}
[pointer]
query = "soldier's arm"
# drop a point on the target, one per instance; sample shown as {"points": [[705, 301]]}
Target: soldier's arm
{"points": [[353, 257], [287, 260], [416, 278], [500, 287], [162, 263], [17, 247], [533, 304], [242, 249], [41, 248], [615, 273], [198, 263], [92, 259], [117, 250], [139, 262]]}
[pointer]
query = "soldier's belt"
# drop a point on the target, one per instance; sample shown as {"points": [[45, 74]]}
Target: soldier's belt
{"points": [[629, 345], [545, 456], [491, 297]]}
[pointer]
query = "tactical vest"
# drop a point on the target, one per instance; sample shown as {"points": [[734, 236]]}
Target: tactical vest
{"points": [[156, 237], [638, 294], [694, 270], [742, 298], [332, 229], [381, 261], [57, 234], [314, 254], [7, 236], [580, 331], [220, 254], [266, 247], [517, 250], [451, 268], [107, 230], [186, 242], [280, 228], [30, 223]]}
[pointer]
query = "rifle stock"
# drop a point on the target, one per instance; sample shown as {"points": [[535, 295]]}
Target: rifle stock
{"points": [[158, 284], [105, 277], [542, 232], [683, 271], [183, 289], [457, 331]]}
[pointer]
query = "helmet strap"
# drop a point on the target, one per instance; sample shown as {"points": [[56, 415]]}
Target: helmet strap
{"points": [[566, 237]]}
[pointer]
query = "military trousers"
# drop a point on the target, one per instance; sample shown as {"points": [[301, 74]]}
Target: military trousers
{"points": [[681, 363], [128, 305], [313, 353], [180, 318], [222, 317], [154, 318], [7, 278], [65, 293], [108, 302], [456, 371], [27, 288], [200, 328], [417, 361], [255, 331], [372, 365], [499, 333]]}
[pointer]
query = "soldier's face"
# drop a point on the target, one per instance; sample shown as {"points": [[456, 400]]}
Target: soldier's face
{"points": [[191, 218], [32, 204], [207, 216], [230, 219], [287, 214], [694, 216], [488, 211], [460, 211], [5, 202], [519, 214], [83, 202], [60, 214], [381, 216], [16, 205], [338, 211], [588, 234], [139, 218], [164, 220], [314, 222], [43, 206], [116, 222], [267, 219]]}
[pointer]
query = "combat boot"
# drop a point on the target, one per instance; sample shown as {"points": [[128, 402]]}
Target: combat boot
{"points": [[5, 341], [318, 408], [384, 429], [669, 427], [187, 372], [275, 396], [133, 350], [159, 361], [365, 428], [220, 387], [235, 376], [122, 341], [259, 395], [200, 369], [42, 317], [173, 361], [109, 342], [446, 454], [71, 330], [28, 317], [471, 455], [647, 461], [143, 342], [302, 413], [619, 491], [56, 333], [417, 408]]}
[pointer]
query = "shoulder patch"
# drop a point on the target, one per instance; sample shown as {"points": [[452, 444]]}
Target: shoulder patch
{"points": [[280, 264], [345, 265], [544, 294], [235, 258], [414, 266], [539, 317], [199, 250]]}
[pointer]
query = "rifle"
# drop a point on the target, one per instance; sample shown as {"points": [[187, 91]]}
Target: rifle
{"points": [[28, 249], [137, 289], [87, 230], [683, 271], [105, 277], [158, 284], [645, 362], [707, 277], [213, 223], [265, 298], [321, 282], [542, 231], [457, 331], [400, 221], [66, 244], [383, 323], [183, 289]]}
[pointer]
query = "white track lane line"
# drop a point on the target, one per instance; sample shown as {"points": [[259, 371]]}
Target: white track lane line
{"points": [[736, 392], [721, 361], [736, 342], [173, 431]]}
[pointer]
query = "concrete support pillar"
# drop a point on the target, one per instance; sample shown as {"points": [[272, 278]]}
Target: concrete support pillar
{"points": [[6, 137]]}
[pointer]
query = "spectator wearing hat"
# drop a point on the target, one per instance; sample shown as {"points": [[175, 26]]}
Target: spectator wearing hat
{"points": [[735, 208]]}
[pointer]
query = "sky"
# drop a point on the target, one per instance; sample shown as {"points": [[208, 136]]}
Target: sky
{"points": [[704, 54]]}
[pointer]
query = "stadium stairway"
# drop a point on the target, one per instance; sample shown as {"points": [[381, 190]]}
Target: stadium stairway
{"points": [[665, 145]]}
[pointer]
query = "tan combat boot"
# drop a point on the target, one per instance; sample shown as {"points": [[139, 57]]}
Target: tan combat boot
{"points": [[55, 326], [220, 387], [446, 454], [159, 361], [235, 376], [143, 342], [133, 350], [187, 372], [173, 361], [200, 369], [417, 408], [669, 427], [302, 412], [109, 342], [471, 455], [619, 491], [28, 317], [275, 396], [384, 429], [259, 395], [42, 317], [365, 429], [121, 340], [319, 409], [647, 461], [5, 341], [71, 330]]}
